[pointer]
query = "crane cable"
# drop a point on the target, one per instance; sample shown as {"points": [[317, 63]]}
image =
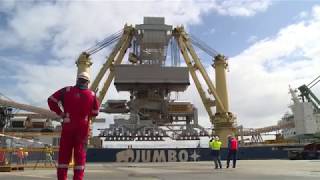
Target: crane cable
{"points": [[314, 82], [9, 99], [203, 46], [104, 43]]}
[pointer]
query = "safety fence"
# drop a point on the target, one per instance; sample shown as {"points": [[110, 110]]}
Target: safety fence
{"points": [[44, 157], [18, 153]]}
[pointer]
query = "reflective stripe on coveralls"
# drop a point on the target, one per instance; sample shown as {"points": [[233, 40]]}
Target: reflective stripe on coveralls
{"points": [[63, 165], [78, 167]]}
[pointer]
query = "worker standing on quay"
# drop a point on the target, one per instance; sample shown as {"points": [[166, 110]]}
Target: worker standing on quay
{"points": [[3, 158], [216, 146], [25, 154], [20, 156], [79, 105], [49, 155], [232, 151]]}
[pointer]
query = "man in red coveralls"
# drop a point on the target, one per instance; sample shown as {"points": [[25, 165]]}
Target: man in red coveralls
{"points": [[78, 104]]}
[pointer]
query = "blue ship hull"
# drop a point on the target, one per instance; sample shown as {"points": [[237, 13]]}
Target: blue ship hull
{"points": [[183, 154]]}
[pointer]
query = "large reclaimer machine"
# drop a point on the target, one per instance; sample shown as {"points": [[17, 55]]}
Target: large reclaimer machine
{"points": [[151, 111]]}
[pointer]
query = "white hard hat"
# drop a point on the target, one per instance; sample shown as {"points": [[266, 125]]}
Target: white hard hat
{"points": [[84, 75]]}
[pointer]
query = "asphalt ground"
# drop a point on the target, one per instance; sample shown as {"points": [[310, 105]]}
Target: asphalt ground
{"points": [[245, 170]]}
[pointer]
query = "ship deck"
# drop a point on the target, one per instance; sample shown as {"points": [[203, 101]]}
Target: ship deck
{"points": [[247, 169]]}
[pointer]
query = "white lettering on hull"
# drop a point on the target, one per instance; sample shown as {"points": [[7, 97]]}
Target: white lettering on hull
{"points": [[172, 156], [131, 155]]}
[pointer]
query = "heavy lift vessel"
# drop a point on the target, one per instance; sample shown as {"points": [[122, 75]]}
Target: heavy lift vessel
{"points": [[302, 124], [151, 114]]}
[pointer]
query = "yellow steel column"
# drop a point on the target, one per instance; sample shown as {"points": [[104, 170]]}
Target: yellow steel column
{"points": [[220, 65], [83, 63], [223, 120]]}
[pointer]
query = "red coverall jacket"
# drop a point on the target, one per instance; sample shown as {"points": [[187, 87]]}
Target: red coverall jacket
{"points": [[78, 106]]}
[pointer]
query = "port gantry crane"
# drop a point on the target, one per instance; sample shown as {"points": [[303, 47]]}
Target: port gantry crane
{"points": [[307, 95], [149, 42]]}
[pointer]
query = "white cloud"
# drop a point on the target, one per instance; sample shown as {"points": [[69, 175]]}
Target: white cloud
{"points": [[73, 26], [316, 12], [35, 82], [66, 28], [241, 7], [260, 75], [62, 29], [303, 14], [7, 5]]}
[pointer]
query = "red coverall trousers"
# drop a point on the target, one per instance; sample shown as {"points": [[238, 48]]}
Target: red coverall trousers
{"points": [[78, 105]]}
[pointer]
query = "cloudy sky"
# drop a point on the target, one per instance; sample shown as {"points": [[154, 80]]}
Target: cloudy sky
{"points": [[270, 45]]}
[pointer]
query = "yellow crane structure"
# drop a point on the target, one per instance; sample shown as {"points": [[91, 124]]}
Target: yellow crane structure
{"points": [[217, 96], [223, 120]]}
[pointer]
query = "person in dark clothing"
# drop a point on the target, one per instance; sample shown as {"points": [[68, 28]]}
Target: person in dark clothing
{"points": [[232, 151]]}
